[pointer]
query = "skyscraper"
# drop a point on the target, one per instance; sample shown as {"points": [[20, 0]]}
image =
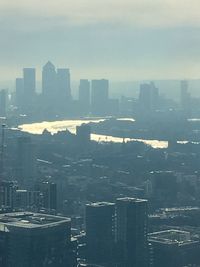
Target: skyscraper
{"points": [[99, 97], [131, 232], [100, 233], [49, 82], [84, 96]]}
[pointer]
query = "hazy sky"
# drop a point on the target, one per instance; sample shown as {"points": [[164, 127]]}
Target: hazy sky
{"points": [[116, 39]]}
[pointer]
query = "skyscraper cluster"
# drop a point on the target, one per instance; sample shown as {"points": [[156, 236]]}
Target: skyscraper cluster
{"points": [[55, 98], [56, 90]]}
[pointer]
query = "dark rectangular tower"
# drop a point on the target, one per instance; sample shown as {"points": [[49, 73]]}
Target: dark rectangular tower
{"points": [[100, 233], [131, 232]]}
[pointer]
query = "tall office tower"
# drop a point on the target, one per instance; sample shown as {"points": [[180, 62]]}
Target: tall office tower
{"points": [[99, 97], [84, 96], [7, 189], [26, 161], [63, 85], [49, 89], [19, 92], [32, 239], [100, 233], [49, 196], [131, 232], [3, 102]]}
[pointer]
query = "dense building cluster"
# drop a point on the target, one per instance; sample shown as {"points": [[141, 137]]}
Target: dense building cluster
{"points": [[67, 198]]}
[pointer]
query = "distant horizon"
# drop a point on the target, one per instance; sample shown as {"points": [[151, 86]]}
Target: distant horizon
{"points": [[168, 87], [127, 39]]}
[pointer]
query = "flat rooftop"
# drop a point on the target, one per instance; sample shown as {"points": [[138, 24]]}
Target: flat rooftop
{"points": [[171, 237], [100, 204], [30, 220], [130, 199]]}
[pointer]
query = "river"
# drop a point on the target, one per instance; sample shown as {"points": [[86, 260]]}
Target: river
{"points": [[56, 126]]}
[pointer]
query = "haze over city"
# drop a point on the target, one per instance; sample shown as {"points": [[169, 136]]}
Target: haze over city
{"points": [[99, 133], [119, 40]]}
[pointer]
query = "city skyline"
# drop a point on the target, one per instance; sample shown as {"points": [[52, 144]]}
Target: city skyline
{"points": [[122, 40]]}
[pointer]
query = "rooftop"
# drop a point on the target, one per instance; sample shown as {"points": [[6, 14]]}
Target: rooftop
{"points": [[100, 204], [130, 199], [171, 237], [30, 220]]}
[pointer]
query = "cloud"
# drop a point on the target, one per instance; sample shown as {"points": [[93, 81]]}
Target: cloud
{"points": [[104, 37], [137, 13]]}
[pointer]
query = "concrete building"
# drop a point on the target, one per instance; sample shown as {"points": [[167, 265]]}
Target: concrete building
{"points": [[174, 248], [31, 239], [131, 232], [100, 233]]}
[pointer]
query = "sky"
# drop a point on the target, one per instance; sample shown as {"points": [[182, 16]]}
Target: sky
{"points": [[114, 39]]}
